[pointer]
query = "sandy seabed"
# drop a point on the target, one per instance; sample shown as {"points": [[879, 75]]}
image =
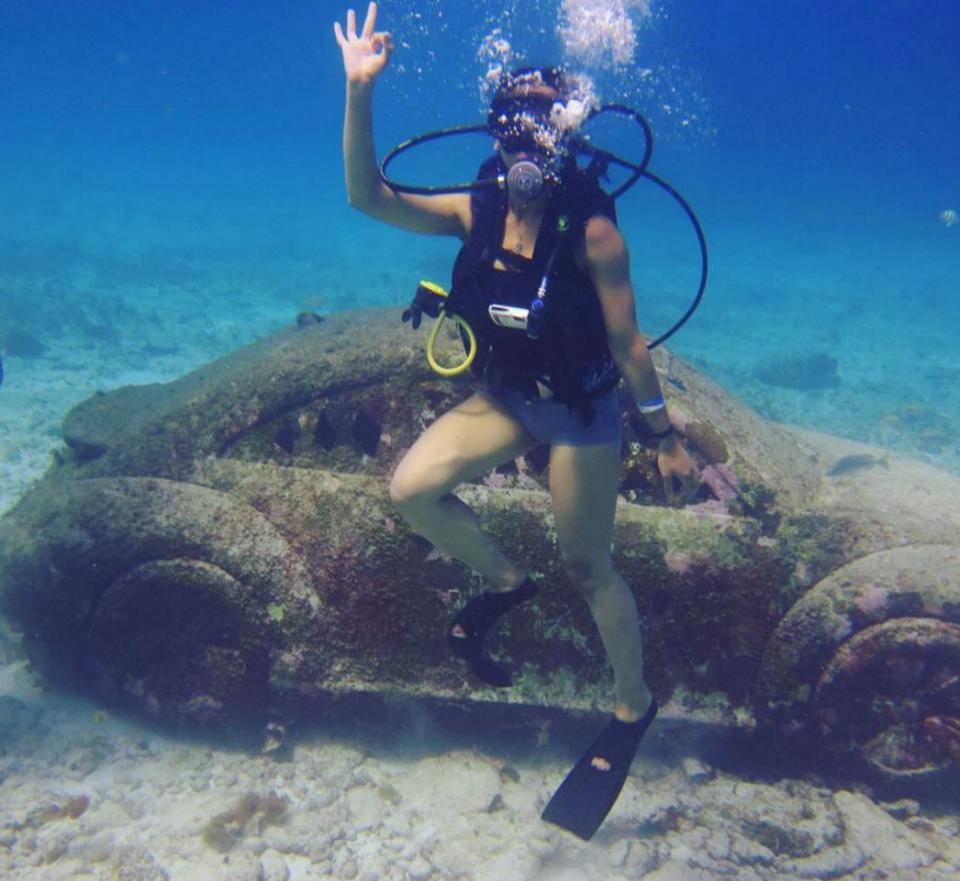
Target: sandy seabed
{"points": [[86, 795]]}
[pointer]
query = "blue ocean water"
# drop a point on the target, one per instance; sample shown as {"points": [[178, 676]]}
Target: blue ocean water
{"points": [[171, 188], [156, 155]]}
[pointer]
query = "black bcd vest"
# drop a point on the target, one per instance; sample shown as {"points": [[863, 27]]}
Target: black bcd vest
{"points": [[571, 356]]}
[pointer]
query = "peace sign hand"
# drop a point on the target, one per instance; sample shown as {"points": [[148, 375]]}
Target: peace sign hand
{"points": [[365, 54]]}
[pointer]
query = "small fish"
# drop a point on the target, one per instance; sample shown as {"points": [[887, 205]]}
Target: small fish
{"points": [[855, 462], [274, 737]]}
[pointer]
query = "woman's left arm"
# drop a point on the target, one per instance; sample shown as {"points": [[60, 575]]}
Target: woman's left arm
{"points": [[607, 262]]}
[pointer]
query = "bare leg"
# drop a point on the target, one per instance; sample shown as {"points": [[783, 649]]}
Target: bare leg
{"points": [[464, 443], [583, 486]]}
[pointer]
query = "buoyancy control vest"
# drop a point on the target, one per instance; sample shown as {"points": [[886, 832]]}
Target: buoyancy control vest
{"points": [[571, 354]]}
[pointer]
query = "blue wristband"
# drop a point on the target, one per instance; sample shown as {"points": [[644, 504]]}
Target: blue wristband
{"points": [[654, 405]]}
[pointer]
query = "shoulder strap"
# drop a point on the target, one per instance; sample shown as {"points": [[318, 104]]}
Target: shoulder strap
{"points": [[488, 211], [584, 198]]}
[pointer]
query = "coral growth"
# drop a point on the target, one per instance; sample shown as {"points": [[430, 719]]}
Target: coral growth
{"points": [[252, 814], [708, 441], [873, 601], [73, 808]]}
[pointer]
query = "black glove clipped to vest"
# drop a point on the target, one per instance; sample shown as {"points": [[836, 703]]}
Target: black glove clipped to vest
{"points": [[428, 299]]}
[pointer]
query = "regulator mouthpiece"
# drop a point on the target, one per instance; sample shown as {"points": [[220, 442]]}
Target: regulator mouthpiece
{"points": [[525, 180]]}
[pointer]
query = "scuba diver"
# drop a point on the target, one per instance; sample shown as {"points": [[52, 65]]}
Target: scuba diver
{"points": [[549, 366]]}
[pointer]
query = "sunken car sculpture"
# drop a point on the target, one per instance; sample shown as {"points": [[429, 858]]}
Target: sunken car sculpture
{"points": [[209, 548]]}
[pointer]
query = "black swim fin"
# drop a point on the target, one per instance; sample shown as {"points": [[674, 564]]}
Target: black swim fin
{"points": [[589, 791]]}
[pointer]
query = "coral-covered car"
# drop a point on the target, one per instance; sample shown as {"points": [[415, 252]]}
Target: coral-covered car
{"points": [[222, 547]]}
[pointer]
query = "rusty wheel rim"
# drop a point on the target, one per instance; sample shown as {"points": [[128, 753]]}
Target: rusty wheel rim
{"points": [[891, 694]]}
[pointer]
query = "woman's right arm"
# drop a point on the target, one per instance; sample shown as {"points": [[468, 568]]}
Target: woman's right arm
{"points": [[365, 55]]}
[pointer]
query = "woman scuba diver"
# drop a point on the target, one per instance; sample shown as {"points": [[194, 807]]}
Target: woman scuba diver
{"points": [[549, 374]]}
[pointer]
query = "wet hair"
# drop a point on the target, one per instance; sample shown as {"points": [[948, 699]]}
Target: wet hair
{"points": [[513, 82]]}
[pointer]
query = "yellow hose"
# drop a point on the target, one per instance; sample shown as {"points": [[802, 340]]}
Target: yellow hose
{"points": [[471, 350]]}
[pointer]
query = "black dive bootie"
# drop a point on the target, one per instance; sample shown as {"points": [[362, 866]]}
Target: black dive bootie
{"points": [[470, 627]]}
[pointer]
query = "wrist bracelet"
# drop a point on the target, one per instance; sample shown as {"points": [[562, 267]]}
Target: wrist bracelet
{"points": [[660, 435], [654, 405]]}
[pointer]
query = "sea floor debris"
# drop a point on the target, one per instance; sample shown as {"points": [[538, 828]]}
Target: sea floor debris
{"points": [[117, 800]]}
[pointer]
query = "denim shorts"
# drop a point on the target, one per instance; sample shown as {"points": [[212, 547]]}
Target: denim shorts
{"points": [[553, 422]]}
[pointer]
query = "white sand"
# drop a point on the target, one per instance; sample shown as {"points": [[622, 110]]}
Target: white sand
{"points": [[144, 800]]}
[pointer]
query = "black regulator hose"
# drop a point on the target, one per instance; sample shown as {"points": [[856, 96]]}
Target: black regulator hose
{"points": [[704, 262], [638, 169], [600, 161], [436, 135]]}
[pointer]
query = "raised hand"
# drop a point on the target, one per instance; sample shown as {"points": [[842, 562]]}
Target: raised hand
{"points": [[365, 54]]}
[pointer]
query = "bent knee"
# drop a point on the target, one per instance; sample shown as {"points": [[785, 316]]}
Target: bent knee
{"points": [[418, 482], [403, 491], [409, 490]]}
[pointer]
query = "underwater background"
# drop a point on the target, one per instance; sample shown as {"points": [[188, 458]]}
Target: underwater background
{"points": [[171, 189]]}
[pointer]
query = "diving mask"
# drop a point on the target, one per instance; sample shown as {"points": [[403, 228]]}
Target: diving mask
{"points": [[524, 123]]}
